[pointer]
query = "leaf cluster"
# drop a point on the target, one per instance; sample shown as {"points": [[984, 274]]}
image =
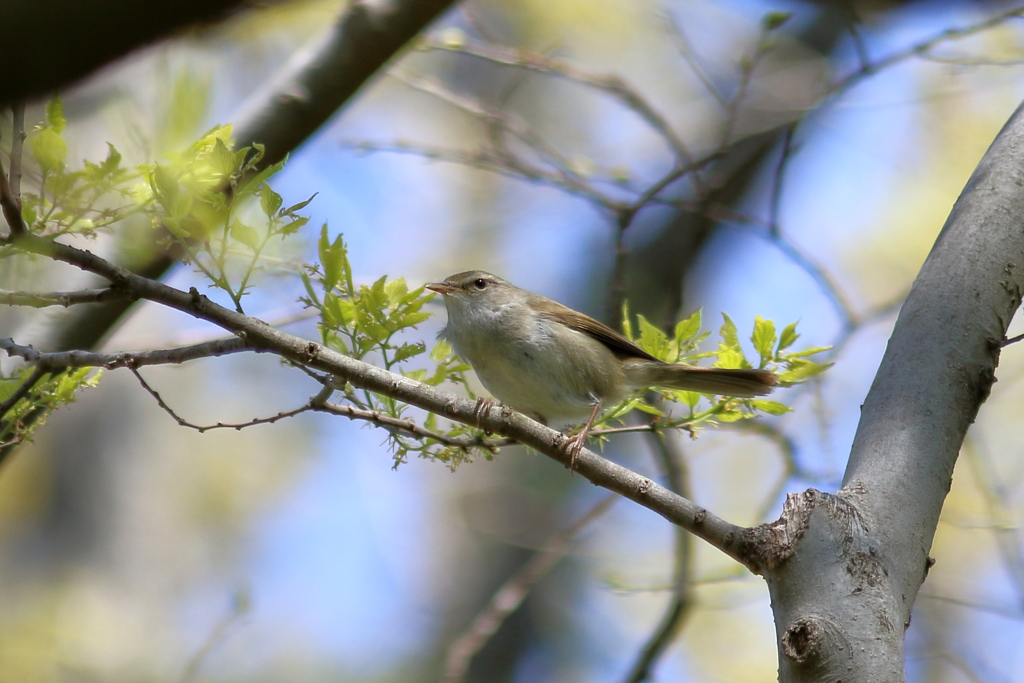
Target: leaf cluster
{"points": [[218, 205], [683, 346], [62, 201], [49, 391], [373, 321]]}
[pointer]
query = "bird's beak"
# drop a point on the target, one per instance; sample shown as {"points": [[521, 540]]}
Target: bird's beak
{"points": [[441, 287]]}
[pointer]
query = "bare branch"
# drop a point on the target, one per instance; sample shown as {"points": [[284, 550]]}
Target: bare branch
{"points": [[510, 596], [747, 546], [70, 50], [17, 143], [124, 359], [922, 48], [220, 425], [65, 299], [322, 78], [410, 428], [610, 84]]}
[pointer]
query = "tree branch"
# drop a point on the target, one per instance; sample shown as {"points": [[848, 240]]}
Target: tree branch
{"points": [[124, 359], [65, 299], [751, 547], [38, 39], [860, 557]]}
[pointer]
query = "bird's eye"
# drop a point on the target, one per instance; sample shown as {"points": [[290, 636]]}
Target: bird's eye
{"points": [[480, 283]]}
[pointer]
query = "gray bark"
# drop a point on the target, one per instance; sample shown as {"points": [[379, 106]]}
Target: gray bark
{"points": [[856, 560]]}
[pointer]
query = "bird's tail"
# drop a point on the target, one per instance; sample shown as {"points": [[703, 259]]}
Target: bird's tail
{"points": [[742, 383]]}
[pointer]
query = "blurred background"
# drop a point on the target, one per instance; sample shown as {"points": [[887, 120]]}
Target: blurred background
{"points": [[132, 549]]}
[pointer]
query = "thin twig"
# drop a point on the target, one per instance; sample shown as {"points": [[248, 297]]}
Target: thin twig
{"points": [[921, 48], [410, 428], [613, 85], [17, 143], [777, 180], [691, 58], [512, 593], [220, 425], [65, 299], [122, 359]]}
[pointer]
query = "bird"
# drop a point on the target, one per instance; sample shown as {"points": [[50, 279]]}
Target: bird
{"points": [[560, 366]]}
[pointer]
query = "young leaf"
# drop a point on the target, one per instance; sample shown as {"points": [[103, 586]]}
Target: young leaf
{"points": [[763, 338], [770, 407], [789, 337], [688, 328], [49, 149], [730, 337], [801, 368], [246, 234], [55, 114], [652, 340], [396, 290]]}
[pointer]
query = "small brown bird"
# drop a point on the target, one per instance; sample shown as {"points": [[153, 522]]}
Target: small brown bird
{"points": [[558, 365]]}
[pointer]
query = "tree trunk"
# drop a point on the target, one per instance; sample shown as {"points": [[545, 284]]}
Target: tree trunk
{"points": [[851, 563]]}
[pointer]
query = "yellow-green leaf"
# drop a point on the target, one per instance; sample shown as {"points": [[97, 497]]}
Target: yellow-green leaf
{"points": [[688, 328], [770, 407], [763, 337]]}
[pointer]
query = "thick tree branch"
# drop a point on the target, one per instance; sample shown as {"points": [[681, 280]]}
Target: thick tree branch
{"points": [[320, 79], [860, 557], [47, 45]]}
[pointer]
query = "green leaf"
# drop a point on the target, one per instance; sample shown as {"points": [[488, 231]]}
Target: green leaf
{"points": [[112, 162], [246, 234], [298, 207], [293, 226], [645, 407], [770, 407], [733, 416], [222, 159], [270, 201], [687, 329], [308, 284], [652, 340], [180, 206], [406, 351], [55, 114], [49, 149], [333, 258], [441, 351], [730, 353], [809, 352], [789, 337], [730, 337], [690, 398], [764, 338], [395, 290], [774, 20], [801, 369], [414, 319], [730, 358]]}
